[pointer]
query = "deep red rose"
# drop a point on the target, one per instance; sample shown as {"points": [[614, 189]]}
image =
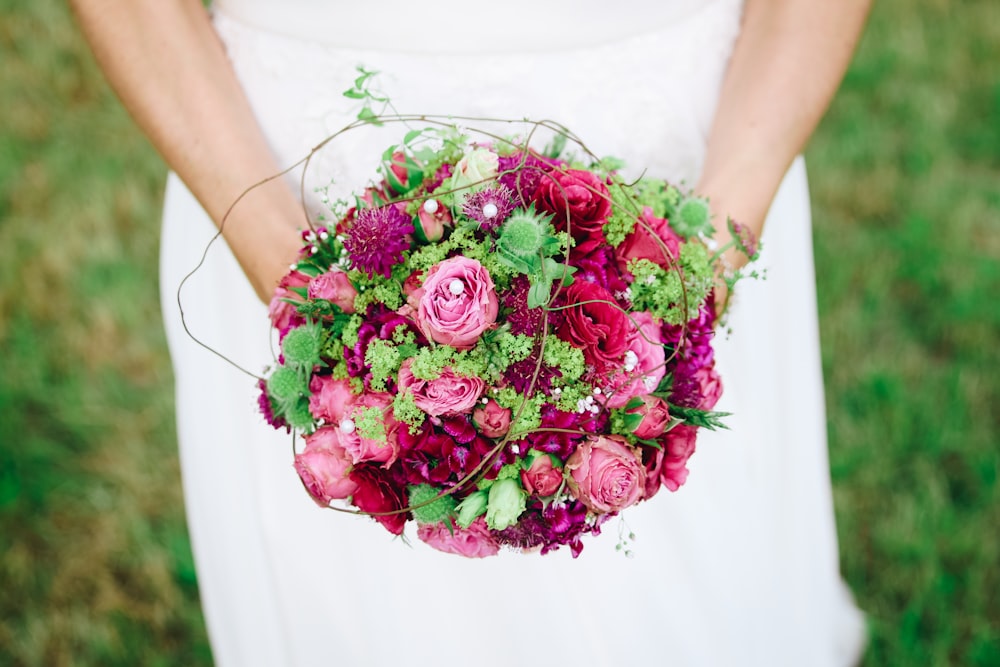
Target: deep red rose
{"points": [[652, 239], [582, 194], [377, 493], [599, 328]]}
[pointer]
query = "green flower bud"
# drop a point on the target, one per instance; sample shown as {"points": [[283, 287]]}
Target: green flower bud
{"points": [[301, 346], [298, 416], [693, 217], [435, 511], [473, 507], [285, 384], [505, 504]]}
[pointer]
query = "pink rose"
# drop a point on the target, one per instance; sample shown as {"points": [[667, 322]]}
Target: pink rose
{"points": [[652, 239], [433, 222], [335, 287], [709, 387], [655, 418], [324, 467], [472, 542], [679, 445], [329, 398], [605, 474], [652, 460], [459, 303], [542, 477], [413, 289], [644, 365], [447, 394], [284, 315], [368, 449], [492, 420]]}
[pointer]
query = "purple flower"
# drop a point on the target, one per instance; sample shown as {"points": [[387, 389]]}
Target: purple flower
{"points": [[521, 173], [377, 239], [524, 320], [267, 409], [693, 345], [489, 207]]}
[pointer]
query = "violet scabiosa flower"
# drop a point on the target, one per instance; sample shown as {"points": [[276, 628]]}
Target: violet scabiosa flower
{"points": [[489, 207], [524, 320], [377, 239]]}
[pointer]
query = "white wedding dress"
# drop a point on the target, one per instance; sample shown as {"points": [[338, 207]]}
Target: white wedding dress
{"points": [[738, 567]]}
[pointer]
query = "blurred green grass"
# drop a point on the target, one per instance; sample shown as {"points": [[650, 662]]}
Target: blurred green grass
{"points": [[95, 564]]}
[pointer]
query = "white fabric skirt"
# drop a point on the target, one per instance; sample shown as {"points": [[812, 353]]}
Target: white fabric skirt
{"points": [[738, 567]]}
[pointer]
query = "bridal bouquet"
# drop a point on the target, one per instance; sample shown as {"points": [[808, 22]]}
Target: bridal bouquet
{"points": [[505, 346]]}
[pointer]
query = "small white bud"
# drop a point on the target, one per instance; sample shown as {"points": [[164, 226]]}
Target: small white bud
{"points": [[431, 206], [456, 287], [347, 426]]}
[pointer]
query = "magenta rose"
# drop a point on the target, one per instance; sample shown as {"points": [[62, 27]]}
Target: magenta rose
{"points": [[643, 365], [652, 460], [335, 287], [492, 420], [652, 239], [655, 417], [447, 394], [679, 446], [595, 325], [377, 494], [542, 478], [329, 398], [361, 449], [581, 194], [472, 542], [709, 387], [605, 474], [324, 466], [283, 314], [459, 303]]}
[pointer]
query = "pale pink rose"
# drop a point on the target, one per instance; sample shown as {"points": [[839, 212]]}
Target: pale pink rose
{"points": [[493, 421], [324, 466], [542, 477], [433, 224], [655, 417], [283, 314], [645, 351], [459, 302], [659, 243], [709, 387], [329, 398], [447, 394], [679, 444], [605, 474], [334, 286], [472, 542], [366, 449]]}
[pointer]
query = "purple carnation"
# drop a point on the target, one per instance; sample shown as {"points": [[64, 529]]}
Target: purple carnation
{"points": [[522, 173], [523, 320], [693, 345], [377, 239], [267, 409]]}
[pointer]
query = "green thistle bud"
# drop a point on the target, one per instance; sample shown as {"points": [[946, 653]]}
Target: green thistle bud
{"points": [[473, 507], [301, 346], [435, 511], [524, 233], [693, 217], [506, 503], [285, 384], [298, 416]]}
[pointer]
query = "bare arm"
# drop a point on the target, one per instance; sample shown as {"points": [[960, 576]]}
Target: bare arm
{"points": [[167, 65], [785, 68]]}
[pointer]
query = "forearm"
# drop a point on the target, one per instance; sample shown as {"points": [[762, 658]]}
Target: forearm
{"points": [[786, 66], [168, 67]]}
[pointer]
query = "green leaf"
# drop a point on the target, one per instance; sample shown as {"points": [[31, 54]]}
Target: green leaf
{"points": [[655, 444], [702, 418], [411, 135], [632, 421], [633, 403], [353, 94], [555, 147]]}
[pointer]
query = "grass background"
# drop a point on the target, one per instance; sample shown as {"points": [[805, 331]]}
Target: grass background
{"points": [[95, 565]]}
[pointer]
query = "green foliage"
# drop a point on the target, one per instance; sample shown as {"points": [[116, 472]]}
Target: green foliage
{"points": [[428, 507]]}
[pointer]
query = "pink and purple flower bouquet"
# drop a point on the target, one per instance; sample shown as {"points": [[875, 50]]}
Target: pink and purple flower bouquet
{"points": [[505, 346]]}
